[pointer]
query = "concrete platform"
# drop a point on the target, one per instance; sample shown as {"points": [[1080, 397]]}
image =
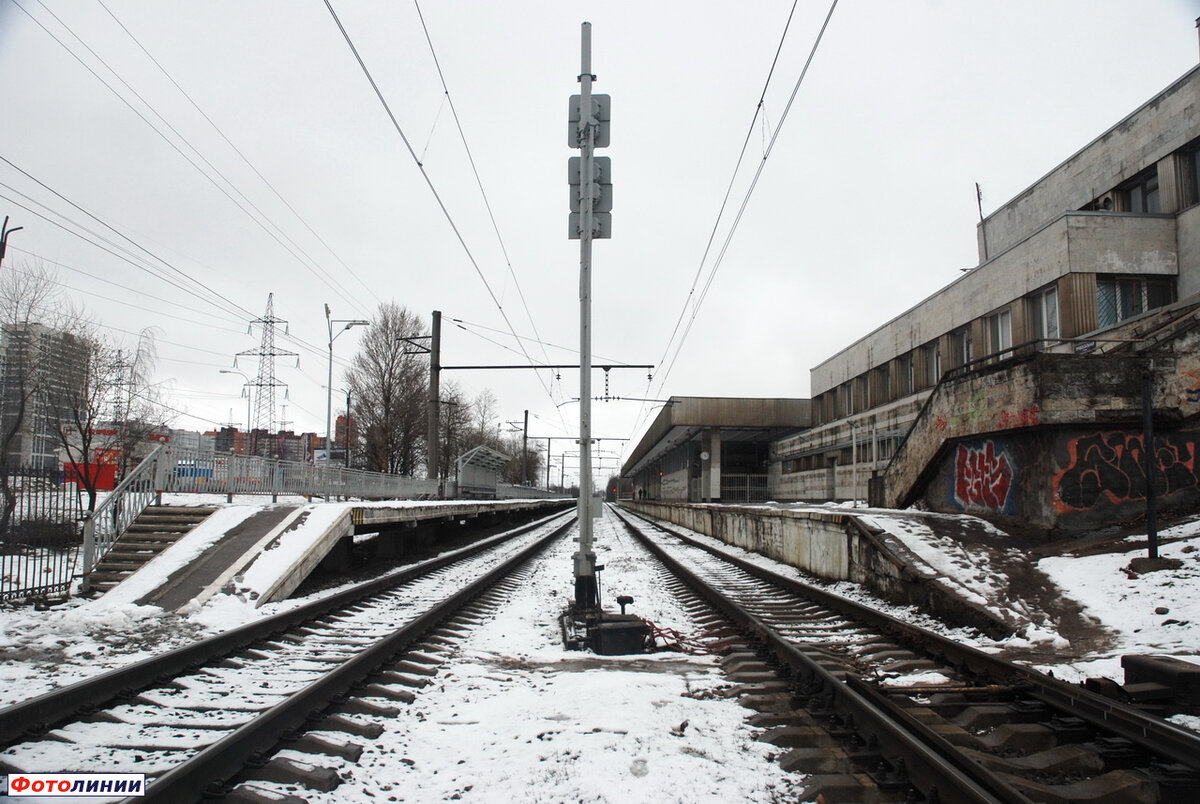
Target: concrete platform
{"points": [[264, 551], [871, 547]]}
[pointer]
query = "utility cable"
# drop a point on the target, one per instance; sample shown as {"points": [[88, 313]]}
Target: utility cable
{"points": [[238, 151], [662, 378], [429, 182], [478, 181], [222, 189]]}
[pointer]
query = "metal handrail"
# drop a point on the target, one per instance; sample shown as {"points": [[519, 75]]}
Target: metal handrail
{"points": [[118, 510], [173, 469]]}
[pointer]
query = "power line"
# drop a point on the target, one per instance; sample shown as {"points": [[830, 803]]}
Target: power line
{"points": [[310, 264], [749, 192], [478, 182], [429, 182], [238, 151]]}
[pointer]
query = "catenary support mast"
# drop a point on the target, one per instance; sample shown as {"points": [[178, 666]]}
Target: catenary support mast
{"points": [[586, 596]]}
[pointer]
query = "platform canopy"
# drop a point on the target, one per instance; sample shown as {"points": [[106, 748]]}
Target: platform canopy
{"points": [[478, 470], [482, 457]]}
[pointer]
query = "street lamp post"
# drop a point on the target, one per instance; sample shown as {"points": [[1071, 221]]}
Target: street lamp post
{"points": [[346, 324], [246, 390], [4, 233]]}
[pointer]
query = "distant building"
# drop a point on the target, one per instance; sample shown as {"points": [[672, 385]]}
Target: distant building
{"points": [[37, 363]]}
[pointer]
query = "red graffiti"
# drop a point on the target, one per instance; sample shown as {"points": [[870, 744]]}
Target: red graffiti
{"points": [[1022, 418], [940, 424], [982, 477]]}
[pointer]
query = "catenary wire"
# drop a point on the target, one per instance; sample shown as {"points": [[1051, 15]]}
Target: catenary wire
{"points": [[291, 247], [478, 181], [665, 374], [239, 152], [429, 183]]}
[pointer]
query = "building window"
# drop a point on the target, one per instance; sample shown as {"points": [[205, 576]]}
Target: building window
{"points": [[1043, 315], [999, 330], [933, 365], [1141, 195], [962, 351], [1194, 177], [904, 375], [881, 393], [1122, 297]]}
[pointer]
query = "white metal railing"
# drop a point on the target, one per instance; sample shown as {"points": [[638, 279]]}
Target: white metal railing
{"points": [[197, 472], [173, 469], [119, 509]]}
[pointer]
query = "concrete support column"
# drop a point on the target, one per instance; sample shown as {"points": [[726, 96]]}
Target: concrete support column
{"points": [[710, 466]]}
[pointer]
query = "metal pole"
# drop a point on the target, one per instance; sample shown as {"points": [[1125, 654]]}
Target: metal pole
{"points": [[1148, 462], [329, 394], [435, 399], [548, 440], [525, 452], [347, 439], [586, 596]]}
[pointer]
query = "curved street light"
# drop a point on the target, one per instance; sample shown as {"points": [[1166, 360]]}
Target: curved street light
{"points": [[347, 324], [246, 391]]}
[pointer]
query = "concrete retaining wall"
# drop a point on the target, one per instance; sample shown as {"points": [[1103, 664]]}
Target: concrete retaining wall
{"points": [[829, 545]]}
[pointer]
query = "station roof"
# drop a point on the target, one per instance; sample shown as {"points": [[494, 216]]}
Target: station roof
{"points": [[739, 419], [484, 458]]}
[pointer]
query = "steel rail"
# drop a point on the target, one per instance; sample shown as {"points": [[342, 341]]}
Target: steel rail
{"points": [[925, 768], [1153, 733], [225, 758], [42, 712]]}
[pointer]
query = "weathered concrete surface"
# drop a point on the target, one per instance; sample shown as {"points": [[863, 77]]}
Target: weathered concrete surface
{"points": [[1054, 442], [294, 550], [1159, 127], [362, 519], [201, 578], [833, 545]]}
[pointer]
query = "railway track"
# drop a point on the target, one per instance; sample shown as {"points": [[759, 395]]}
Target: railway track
{"points": [[196, 719], [876, 709]]}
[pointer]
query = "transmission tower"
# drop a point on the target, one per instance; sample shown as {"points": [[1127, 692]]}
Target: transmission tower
{"points": [[264, 411]]}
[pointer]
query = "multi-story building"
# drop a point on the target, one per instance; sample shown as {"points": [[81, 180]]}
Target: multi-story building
{"points": [[1080, 271], [39, 365]]}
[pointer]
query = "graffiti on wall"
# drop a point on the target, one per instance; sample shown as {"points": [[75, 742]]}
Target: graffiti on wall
{"points": [[1192, 394], [1019, 418], [1109, 466], [983, 476], [1005, 419]]}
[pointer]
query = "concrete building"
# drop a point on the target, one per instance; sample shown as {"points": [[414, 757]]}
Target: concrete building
{"points": [[711, 449], [38, 364], [1085, 281]]}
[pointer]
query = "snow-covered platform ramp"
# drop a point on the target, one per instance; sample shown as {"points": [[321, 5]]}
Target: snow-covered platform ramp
{"points": [[263, 551]]}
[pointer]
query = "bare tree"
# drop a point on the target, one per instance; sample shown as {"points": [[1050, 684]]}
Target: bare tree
{"points": [[101, 403], [456, 428], [390, 390], [30, 303]]}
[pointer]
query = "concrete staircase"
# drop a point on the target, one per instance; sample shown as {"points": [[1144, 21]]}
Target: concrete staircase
{"points": [[156, 529]]}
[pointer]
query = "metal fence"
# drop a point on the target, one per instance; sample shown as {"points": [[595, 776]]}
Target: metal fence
{"points": [[172, 469], [744, 488], [40, 539]]}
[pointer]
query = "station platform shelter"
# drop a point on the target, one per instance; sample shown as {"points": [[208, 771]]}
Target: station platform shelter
{"points": [[711, 449]]}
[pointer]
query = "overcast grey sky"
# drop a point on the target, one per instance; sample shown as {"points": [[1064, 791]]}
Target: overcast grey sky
{"points": [[865, 206]]}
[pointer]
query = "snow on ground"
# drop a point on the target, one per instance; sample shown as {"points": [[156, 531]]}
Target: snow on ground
{"points": [[1151, 612], [515, 718], [541, 725], [972, 574]]}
